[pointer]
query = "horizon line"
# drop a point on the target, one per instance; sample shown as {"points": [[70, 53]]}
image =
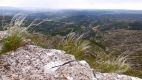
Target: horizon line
{"points": [[22, 8]]}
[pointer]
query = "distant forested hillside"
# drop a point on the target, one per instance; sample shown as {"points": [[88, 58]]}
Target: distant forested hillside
{"points": [[66, 21], [82, 21]]}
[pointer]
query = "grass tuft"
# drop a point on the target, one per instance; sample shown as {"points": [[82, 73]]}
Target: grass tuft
{"points": [[11, 42], [16, 33]]}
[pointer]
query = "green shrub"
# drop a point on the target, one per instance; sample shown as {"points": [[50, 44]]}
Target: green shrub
{"points": [[110, 66], [105, 62], [11, 42], [14, 38], [75, 45], [15, 35]]}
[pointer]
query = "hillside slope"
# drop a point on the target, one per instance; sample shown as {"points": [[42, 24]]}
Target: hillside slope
{"points": [[129, 42]]}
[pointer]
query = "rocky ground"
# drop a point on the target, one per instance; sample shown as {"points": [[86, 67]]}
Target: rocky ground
{"points": [[34, 63]]}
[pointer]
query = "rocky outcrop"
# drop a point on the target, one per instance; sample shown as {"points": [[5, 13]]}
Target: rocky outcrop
{"points": [[34, 63]]}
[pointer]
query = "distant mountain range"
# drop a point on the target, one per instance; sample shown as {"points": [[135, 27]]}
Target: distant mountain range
{"points": [[14, 10], [9, 10]]}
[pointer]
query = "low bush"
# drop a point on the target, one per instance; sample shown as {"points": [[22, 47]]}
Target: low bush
{"points": [[11, 42], [16, 33], [75, 45]]}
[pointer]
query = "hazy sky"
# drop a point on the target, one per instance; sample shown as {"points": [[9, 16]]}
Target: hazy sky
{"points": [[74, 4]]}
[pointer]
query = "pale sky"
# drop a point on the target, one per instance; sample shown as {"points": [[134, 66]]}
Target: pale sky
{"points": [[74, 4]]}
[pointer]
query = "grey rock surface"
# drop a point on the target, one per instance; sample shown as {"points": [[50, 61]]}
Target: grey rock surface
{"points": [[34, 63], [114, 76]]}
